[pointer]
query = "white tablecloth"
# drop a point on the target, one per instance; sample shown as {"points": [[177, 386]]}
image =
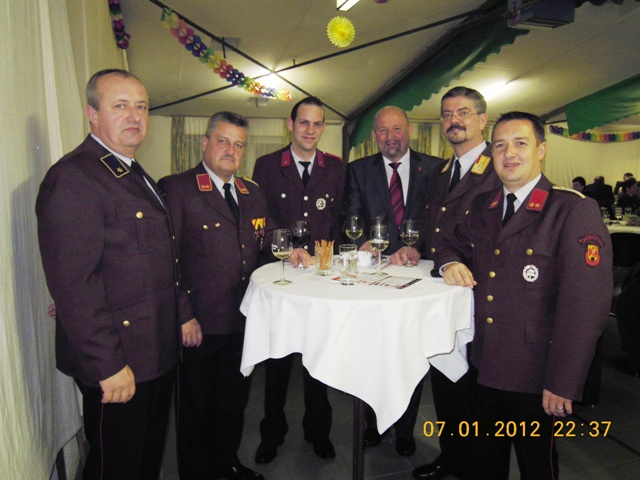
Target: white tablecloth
{"points": [[373, 342], [617, 228]]}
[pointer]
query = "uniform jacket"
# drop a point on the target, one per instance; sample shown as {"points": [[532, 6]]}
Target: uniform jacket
{"points": [[544, 288], [109, 260], [319, 203], [217, 256], [368, 193], [444, 210]]}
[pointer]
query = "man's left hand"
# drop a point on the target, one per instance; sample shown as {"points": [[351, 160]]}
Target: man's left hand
{"points": [[191, 333], [556, 405]]}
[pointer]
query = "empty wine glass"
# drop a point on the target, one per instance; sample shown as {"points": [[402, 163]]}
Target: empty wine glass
{"points": [[379, 238], [300, 234], [353, 227], [409, 235], [282, 248]]}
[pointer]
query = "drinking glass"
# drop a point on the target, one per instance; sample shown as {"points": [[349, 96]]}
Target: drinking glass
{"points": [[379, 238], [409, 235], [353, 227], [618, 214], [282, 247], [300, 234]]}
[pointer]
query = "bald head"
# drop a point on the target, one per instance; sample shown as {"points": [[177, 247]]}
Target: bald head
{"points": [[392, 132]]}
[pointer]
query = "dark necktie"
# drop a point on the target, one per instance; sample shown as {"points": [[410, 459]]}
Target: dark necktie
{"points": [[456, 175], [511, 198], [138, 170], [233, 206], [305, 174], [395, 191]]}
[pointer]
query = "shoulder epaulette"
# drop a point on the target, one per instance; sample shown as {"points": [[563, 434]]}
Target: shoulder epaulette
{"points": [[115, 165], [447, 165], [250, 180], [565, 189]]}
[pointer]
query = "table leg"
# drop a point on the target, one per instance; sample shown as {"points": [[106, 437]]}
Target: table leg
{"points": [[358, 439]]}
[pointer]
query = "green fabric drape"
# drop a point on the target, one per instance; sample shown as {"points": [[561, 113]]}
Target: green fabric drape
{"points": [[609, 105], [462, 54]]}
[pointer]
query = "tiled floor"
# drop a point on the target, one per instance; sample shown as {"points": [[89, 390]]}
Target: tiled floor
{"points": [[616, 456]]}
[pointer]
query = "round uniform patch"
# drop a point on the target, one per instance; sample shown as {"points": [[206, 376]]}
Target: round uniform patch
{"points": [[530, 273], [321, 203]]}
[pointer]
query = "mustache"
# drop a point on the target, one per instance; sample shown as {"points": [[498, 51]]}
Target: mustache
{"points": [[456, 127]]}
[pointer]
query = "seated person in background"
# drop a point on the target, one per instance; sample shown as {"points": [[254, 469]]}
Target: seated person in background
{"points": [[619, 183], [578, 184], [600, 192], [628, 198]]}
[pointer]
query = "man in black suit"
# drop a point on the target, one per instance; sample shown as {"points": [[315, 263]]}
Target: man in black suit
{"points": [[372, 191], [300, 183], [220, 223], [600, 192], [110, 264]]}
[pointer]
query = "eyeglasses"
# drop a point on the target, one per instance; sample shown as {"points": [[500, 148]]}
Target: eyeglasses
{"points": [[461, 115]]}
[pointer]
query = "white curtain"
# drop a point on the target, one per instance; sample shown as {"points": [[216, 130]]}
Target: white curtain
{"points": [[265, 136], [40, 118]]}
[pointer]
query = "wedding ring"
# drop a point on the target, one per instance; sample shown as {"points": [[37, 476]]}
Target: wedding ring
{"points": [[560, 408]]}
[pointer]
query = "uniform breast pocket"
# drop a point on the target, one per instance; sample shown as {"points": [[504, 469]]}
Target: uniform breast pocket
{"points": [[202, 239], [142, 229]]}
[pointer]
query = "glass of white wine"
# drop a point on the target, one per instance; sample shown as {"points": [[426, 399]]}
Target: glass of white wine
{"points": [[409, 235], [282, 248], [379, 239], [353, 227]]}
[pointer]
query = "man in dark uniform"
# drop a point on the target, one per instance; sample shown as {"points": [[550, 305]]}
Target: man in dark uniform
{"points": [[109, 259], [453, 185], [371, 183], [219, 223], [300, 183], [536, 327]]}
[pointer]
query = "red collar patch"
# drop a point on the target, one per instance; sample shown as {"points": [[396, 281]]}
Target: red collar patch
{"points": [[496, 200], [537, 200], [204, 182], [240, 186]]}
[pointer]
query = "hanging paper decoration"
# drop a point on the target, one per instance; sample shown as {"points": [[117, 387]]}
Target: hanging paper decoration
{"points": [[595, 137], [194, 44], [117, 23], [341, 32]]}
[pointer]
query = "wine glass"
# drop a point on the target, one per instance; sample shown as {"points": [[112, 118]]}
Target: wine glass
{"points": [[618, 214], [282, 248], [409, 235], [379, 238], [353, 227], [300, 234]]}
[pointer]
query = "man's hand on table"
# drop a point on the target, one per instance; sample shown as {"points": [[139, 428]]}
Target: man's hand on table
{"points": [[458, 274], [301, 257], [402, 256]]}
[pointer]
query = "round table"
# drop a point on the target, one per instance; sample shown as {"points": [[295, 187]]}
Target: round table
{"points": [[373, 342]]}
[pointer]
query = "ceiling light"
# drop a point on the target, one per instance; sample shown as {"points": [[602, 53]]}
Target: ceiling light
{"points": [[345, 5], [496, 90]]}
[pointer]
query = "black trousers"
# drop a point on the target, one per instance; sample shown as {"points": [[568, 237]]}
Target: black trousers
{"points": [[316, 422], [126, 440], [405, 424], [535, 447], [451, 401], [210, 401]]}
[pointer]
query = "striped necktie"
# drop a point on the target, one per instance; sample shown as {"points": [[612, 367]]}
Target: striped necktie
{"points": [[395, 191]]}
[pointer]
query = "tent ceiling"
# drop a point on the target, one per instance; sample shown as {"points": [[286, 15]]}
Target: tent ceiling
{"points": [[547, 68]]}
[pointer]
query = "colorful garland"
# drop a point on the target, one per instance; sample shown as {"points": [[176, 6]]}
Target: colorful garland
{"points": [[596, 137], [214, 61], [117, 23]]}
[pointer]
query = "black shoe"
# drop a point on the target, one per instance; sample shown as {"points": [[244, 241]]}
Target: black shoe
{"points": [[240, 472], [266, 452], [431, 471], [372, 437], [405, 446], [324, 449]]}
